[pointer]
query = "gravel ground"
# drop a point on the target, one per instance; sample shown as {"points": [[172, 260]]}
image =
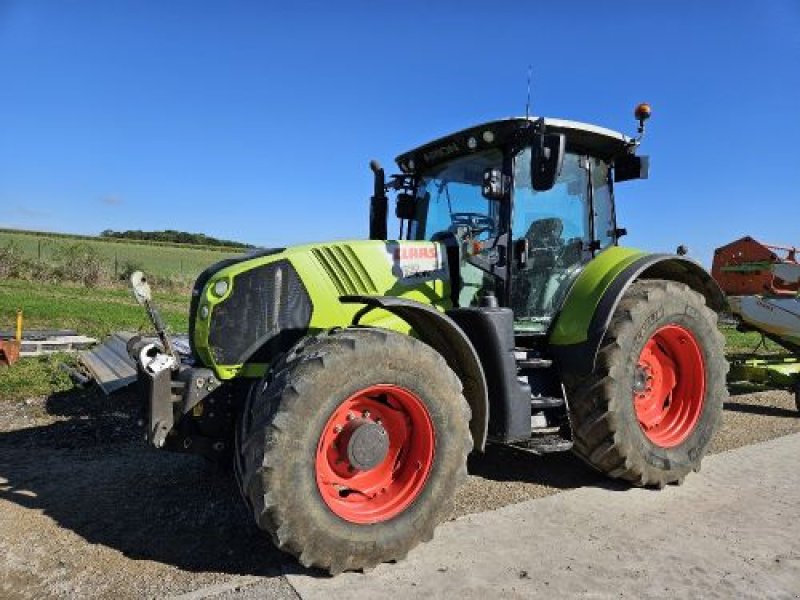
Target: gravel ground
{"points": [[87, 510]]}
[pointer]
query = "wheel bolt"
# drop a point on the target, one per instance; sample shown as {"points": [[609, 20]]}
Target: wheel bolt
{"points": [[366, 414], [337, 429], [350, 416]]}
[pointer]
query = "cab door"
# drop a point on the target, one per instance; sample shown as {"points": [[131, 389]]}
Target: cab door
{"points": [[553, 232]]}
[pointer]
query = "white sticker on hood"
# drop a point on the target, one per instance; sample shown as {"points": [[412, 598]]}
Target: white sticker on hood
{"points": [[417, 262]]}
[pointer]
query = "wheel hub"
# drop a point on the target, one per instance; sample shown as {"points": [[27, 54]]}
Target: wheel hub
{"points": [[366, 444], [375, 454], [669, 386], [640, 378]]}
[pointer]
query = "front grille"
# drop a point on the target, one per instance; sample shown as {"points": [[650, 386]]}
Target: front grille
{"points": [[267, 311], [209, 272], [345, 270]]}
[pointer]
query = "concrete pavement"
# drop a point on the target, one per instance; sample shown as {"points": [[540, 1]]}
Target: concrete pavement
{"points": [[731, 531]]}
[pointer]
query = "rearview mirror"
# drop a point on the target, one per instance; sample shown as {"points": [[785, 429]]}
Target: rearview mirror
{"points": [[547, 156]]}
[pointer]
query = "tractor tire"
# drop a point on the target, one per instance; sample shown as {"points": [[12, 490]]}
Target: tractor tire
{"points": [[349, 454], [650, 408]]}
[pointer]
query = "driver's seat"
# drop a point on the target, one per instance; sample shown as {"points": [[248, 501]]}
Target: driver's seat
{"points": [[545, 234], [545, 244]]}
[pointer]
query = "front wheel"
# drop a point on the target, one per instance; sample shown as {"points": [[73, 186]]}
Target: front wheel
{"points": [[650, 409], [350, 454]]}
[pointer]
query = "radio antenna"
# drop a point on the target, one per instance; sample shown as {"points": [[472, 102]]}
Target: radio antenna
{"points": [[528, 102]]}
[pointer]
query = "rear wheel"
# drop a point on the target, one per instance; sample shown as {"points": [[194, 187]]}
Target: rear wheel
{"points": [[648, 412], [350, 454]]}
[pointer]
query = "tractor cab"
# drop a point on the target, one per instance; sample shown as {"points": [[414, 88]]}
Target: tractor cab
{"points": [[521, 204]]}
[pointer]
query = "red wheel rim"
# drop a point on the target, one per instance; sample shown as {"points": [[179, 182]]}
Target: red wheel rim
{"points": [[352, 486], [669, 386]]}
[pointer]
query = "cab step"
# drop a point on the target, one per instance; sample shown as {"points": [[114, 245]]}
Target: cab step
{"points": [[527, 361], [534, 363], [545, 443], [543, 402]]}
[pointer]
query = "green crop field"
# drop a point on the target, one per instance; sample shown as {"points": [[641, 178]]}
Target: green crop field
{"points": [[162, 260]]}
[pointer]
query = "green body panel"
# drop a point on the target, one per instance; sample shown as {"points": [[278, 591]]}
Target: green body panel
{"points": [[407, 269], [573, 321]]}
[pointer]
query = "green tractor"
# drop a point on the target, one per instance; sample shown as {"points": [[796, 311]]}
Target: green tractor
{"points": [[349, 381]]}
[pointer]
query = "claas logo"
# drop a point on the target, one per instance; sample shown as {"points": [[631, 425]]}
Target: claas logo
{"points": [[415, 252]]}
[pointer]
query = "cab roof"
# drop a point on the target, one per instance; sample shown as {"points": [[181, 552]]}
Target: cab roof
{"points": [[581, 137]]}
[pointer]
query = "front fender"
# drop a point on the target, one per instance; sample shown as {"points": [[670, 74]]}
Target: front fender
{"points": [[578, 331], [443, 334]]}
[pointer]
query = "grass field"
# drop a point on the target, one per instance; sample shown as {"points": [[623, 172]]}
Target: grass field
{"points": [[95, 312], [163, 260]]}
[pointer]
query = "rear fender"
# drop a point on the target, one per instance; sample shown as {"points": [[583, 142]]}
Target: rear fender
{"points": [[442, 334], [579, 330]]}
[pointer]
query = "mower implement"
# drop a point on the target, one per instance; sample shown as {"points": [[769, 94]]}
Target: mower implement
{"points": [[763, 286], [347, 382]]}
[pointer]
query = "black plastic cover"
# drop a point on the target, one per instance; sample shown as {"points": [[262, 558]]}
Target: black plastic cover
{"points": [[491, 331]]}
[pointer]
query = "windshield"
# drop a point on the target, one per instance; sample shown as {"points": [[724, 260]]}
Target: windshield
{"points": [[449, 199]]}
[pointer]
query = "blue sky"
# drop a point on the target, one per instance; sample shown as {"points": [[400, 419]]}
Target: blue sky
{"points": [[256, 120]]}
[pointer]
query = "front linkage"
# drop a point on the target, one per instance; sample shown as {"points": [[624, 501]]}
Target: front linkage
{"points": [[187, 408]]}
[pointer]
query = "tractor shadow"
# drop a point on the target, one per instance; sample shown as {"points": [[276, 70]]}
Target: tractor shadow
{"points": [[92, 474], [764, 411], [561, 470], [745, 388]]}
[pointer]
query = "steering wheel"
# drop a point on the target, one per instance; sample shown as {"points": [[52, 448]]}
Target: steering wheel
{"points": [[477, 223]]}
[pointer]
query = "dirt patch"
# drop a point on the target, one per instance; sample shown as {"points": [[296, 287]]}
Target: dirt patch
{"points": [[86, 509]]}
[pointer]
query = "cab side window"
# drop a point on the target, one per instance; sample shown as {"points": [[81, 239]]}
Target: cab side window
{"points": [[602, 206]]}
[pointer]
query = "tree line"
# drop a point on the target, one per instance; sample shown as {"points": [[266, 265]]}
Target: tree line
{"points": [[173, 236]]}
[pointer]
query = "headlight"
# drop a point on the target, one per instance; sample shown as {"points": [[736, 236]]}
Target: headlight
{"points": [[221, 287]]}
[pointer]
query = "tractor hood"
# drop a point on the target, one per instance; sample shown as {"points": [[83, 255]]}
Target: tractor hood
{"points": [[246, 311]]}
